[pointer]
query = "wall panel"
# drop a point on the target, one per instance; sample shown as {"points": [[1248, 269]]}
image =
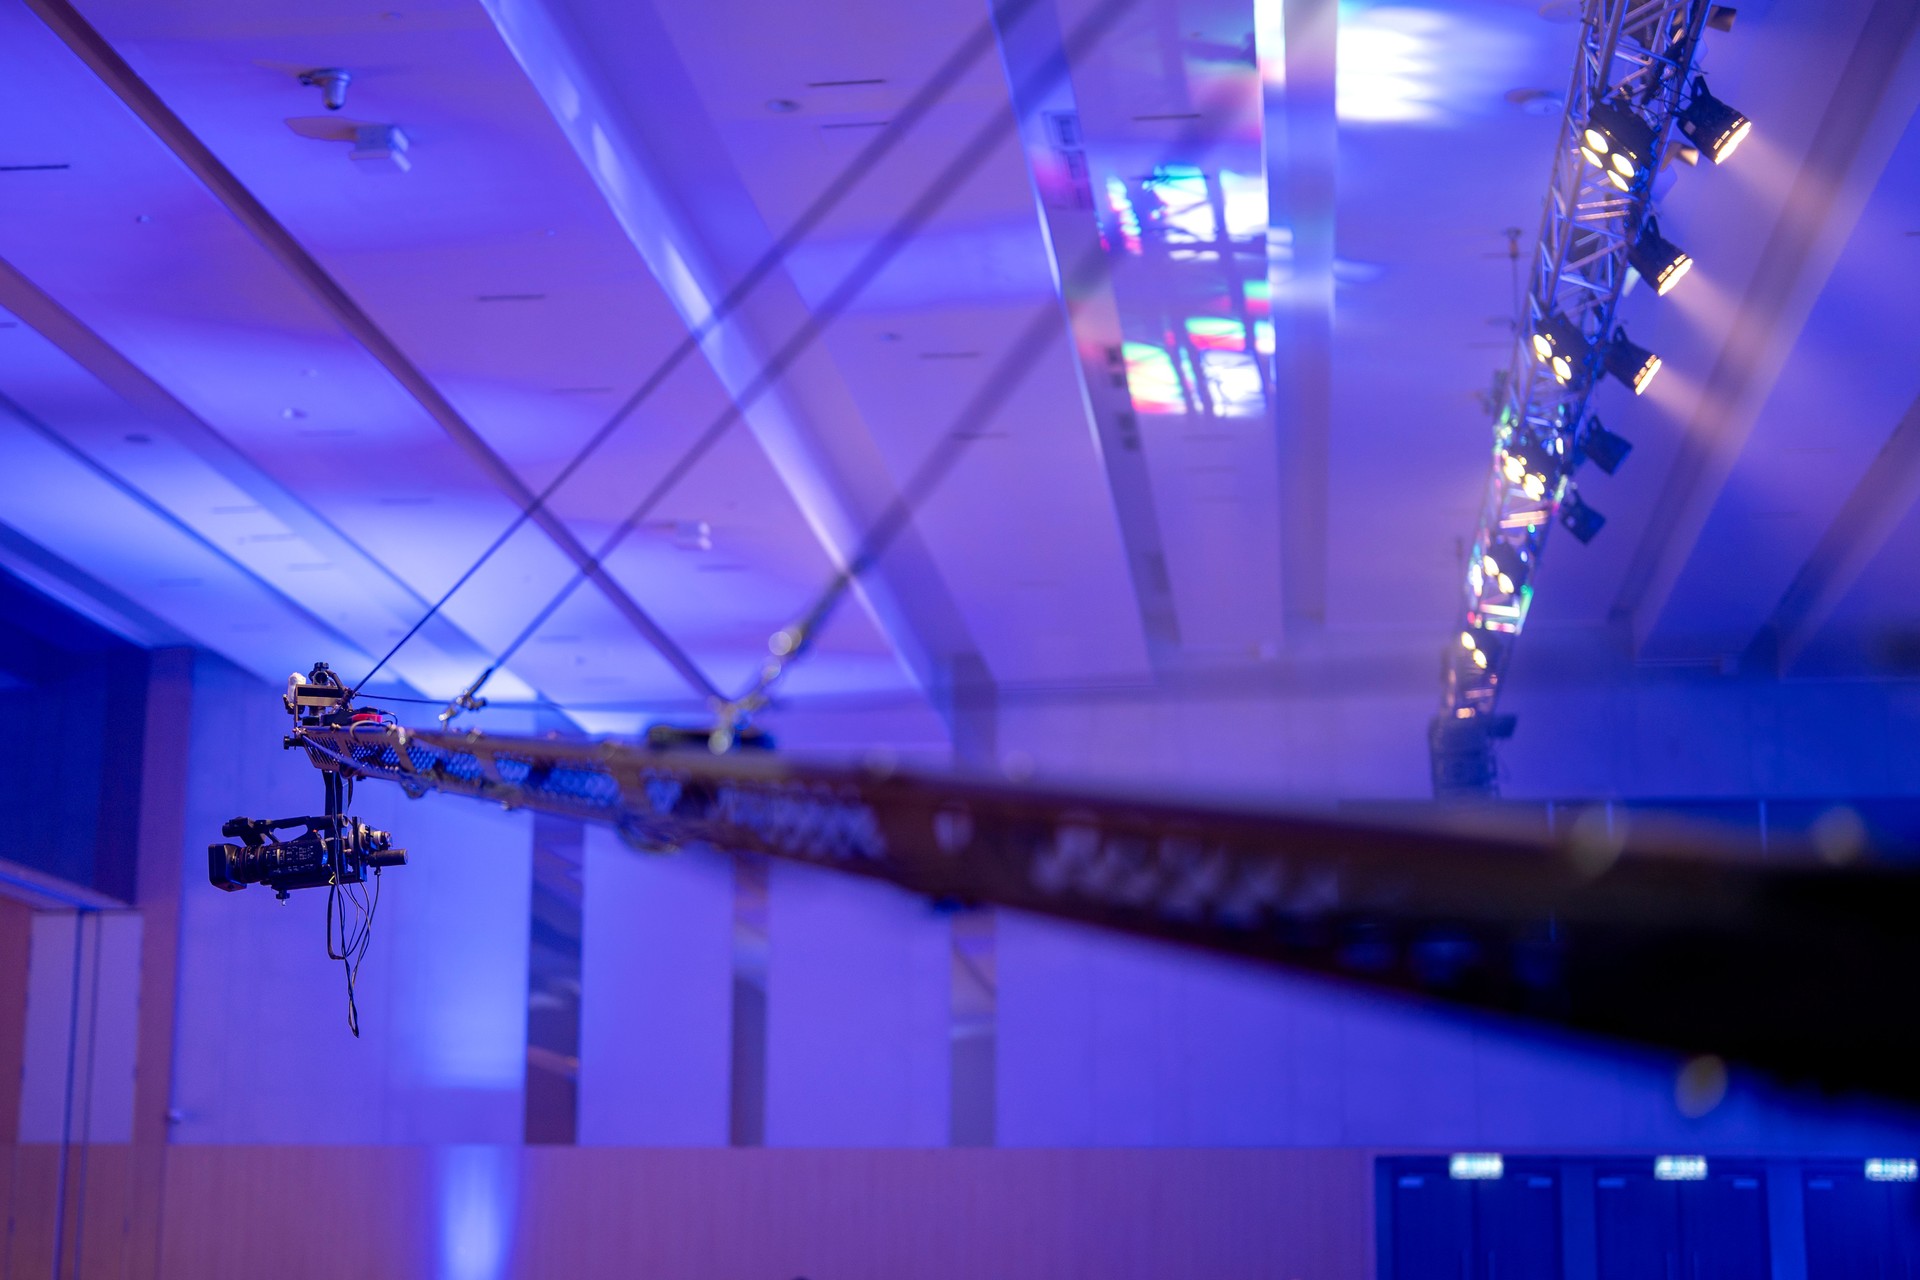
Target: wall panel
{"points": [[552, 1212]]}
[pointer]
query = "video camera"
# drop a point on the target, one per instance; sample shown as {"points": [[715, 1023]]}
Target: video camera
{"points": [[335, 849]]}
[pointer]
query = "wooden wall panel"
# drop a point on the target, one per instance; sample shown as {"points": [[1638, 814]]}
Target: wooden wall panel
{"points": [[89, 1229], [769, 1214]]}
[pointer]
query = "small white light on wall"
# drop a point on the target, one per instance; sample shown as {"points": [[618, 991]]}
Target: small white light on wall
{"points": [[1476, 1166], [1884, 1170], [1680, 1168]]}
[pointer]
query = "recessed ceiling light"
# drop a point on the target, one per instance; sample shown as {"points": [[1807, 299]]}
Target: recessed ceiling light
{"points": [[293, 413], [782, 106], [1537, 102]]}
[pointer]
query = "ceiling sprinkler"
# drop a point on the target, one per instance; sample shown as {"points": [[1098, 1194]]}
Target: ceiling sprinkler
{"points": [[332, 82]]}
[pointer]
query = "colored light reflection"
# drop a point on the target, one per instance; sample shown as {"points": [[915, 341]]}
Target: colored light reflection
{"points": [[1152, 381], [1219, 333], [1191, 209]]}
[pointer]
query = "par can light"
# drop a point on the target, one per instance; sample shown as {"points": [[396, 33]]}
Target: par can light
{"points": [[1618, 143], [1660, 262], [1560, 344], [1631, 363], [1713, 126]]}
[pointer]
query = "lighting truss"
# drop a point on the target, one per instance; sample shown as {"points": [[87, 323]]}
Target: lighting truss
{"points": [[1635, 58], [1784, 964]]}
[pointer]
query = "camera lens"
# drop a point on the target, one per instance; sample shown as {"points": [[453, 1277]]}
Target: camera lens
{"points": [[232, 866]]}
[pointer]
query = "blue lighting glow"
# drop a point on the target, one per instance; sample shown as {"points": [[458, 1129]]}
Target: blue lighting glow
{"points": [[477, 1195]]}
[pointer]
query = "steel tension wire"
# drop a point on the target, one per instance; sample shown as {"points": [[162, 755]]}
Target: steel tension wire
{"points": [[790, 642], [980, 42], [1086, 36]]}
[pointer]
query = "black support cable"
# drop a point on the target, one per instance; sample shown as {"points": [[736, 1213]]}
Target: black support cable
{"points": [[958, 63], [933, 196]]}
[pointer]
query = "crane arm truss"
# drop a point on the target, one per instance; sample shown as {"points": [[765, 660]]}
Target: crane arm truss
{"points": [[1785, 964]]}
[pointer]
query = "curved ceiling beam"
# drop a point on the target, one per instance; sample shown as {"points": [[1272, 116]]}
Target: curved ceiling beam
{"points": [[160, 408], [831, 468], [100, 57]]}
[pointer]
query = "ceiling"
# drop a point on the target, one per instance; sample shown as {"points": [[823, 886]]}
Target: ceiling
{"points": [[267, 398]]}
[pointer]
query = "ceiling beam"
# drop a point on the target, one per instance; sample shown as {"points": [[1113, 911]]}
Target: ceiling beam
{"points": [[1301, 133], [160, 409], [1871, 102], [78, 590], [105, 62], [330, 635], [1875, 508], [827, 461], [1031, 37]]}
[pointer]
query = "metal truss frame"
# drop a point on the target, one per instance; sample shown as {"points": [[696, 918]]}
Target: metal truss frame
{"points": [[1638, 56], [1783, 963]]}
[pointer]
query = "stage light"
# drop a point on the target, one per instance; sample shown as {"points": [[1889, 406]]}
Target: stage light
{"points": [[1603, 448], [1582, 521], [1529, 468], [1660, 262], [1503, 567], [1618, 142], [1713, 126], [1629, 362], [1559, 343], [1481, 649]]}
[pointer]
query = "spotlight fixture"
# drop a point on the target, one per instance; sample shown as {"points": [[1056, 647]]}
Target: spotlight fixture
{"points": [[1560, 344], [1480, 649], [1603, 448], [1660, 262], [1582, 521], [1629, 362], [1529, 468], [1503, 567], [1713, 126], [1618, 142]]}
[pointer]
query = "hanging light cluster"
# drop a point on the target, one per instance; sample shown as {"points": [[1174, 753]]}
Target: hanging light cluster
{"points": [[1635, 86]]}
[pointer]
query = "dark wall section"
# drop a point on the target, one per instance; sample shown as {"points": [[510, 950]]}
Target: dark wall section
{"points": [[74, 701]]}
